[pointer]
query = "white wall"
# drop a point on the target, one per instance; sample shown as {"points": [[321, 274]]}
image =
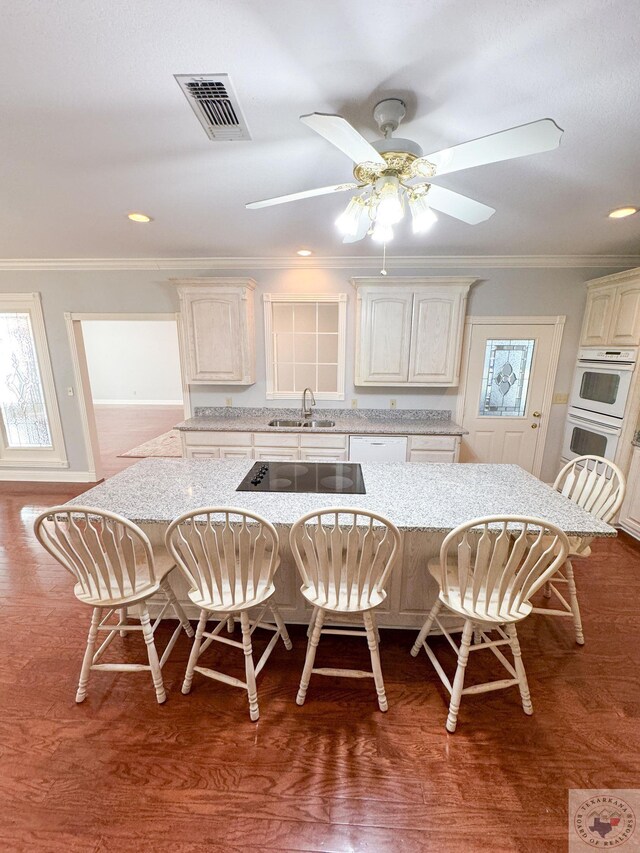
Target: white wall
{"points": [[133, 361], [499, 291]]}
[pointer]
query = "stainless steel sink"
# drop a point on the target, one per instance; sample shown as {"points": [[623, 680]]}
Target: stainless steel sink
{"points": [[308, 424]]}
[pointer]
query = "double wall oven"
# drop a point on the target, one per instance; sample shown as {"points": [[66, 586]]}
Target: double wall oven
{"points": [[598, 401]]}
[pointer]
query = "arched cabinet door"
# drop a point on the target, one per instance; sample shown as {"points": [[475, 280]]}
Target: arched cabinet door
{"points": [[409, 330], [218, 330]]}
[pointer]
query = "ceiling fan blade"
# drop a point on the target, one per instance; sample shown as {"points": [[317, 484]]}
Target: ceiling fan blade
{"points": [[281, 199], [533, 138], [340, 133], [458, 206], [363, 229]]}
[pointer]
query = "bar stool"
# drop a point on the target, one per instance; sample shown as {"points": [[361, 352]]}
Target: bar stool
{"points": [[344, 557], [598, 486], [487, 570], [115, 568], [229, 556]]}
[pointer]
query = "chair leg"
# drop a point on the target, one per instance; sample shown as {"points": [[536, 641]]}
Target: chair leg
{"points": [[309, 660], [154, 662], [422, 636], [177, 608], [573, 601], [123, 620], [547, 590], [520, 670], [458, 681], [231, 624], [281, 626], [245, 624], [87, 660], [372, 642], [312, 621], [195, 652]]}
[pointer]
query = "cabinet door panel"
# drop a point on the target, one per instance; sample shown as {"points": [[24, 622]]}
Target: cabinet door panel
{"points": [[215, 327], [597, 318], [434, 337], [236, 453], [625, 325], [385, 328], [202, 452], [309, 454]]}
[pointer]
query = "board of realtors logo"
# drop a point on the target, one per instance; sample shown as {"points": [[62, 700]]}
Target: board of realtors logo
{"points": [[605, 821]]}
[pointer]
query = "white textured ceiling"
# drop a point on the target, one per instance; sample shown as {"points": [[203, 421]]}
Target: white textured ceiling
{"points": [[92, 123]]}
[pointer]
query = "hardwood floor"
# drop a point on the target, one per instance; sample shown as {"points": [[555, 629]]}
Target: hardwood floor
{"points": [[121, 428], [120, 773]]}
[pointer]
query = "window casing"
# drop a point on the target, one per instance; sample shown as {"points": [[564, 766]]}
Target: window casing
{"points": [[305, 345], [30, 428]]}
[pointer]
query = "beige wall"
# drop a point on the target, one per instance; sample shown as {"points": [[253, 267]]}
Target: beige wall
{"points": [[503, 292]]}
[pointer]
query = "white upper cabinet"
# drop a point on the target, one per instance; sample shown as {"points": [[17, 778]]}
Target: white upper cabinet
{"points": [[218, 330], [612, 313], [409, 330]]}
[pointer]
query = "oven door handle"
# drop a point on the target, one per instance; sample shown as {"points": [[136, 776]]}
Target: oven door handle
{"points": [[598, 427], [607, 366]]}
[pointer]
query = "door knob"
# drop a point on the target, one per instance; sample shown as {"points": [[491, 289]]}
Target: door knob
{"points": [[537, 414], [534, 426]]}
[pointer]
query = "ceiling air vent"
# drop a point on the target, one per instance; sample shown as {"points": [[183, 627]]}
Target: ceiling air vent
{"points": [[214, 101]]}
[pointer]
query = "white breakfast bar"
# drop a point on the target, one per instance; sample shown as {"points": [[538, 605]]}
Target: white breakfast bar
{"points": [[424, 501]]}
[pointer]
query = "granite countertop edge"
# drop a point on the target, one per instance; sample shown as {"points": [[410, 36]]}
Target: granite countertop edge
{"points": [[366, 421]]}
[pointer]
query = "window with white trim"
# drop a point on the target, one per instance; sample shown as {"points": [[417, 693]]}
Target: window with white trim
{"points": [[305, 345], [30, 428]]}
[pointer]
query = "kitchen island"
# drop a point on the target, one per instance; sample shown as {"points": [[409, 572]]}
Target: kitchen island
{"points": [[424, 501]]}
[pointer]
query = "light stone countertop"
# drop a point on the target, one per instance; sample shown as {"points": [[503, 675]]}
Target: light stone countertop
{"points": [[353, 421], [423, 497]]}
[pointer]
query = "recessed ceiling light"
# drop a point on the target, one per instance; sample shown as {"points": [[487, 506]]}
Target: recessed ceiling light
{"points": [[139, 217], [304, 253], [621, 212]]}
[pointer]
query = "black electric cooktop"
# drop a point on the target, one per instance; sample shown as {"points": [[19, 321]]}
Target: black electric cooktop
{"points": [[337, 478]]}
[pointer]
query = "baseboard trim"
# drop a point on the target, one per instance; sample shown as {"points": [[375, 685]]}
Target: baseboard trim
{"points": [[138, 403], [32, 476]]}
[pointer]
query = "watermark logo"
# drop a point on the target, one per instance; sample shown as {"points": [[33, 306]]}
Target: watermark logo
{"points": [[604, 819]]}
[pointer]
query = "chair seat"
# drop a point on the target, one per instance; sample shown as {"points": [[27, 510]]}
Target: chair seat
{"points": [[482, 611], [343, 603], [226, 603], [163, 565]]}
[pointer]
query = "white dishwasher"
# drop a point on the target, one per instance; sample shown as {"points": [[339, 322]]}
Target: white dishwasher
{"points": [[378, 448]]}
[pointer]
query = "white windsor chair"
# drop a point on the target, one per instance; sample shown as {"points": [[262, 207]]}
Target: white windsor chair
{"points": [[487, 570], [598, 486], [229, 556], [344, 566], [115, 569]]}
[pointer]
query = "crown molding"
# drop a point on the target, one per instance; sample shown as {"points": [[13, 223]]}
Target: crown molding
{"points": [[343, 263]]}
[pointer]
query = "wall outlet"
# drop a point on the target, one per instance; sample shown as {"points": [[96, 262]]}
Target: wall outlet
{"points": [[354, 403], [229, 401], [393, 404], [69, 391], [560, 399]]}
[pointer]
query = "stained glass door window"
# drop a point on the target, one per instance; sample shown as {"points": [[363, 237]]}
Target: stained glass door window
{"points": [[505, 378], [22, 406]]}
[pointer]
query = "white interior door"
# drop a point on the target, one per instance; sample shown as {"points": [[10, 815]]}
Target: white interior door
{"points": [[508, 368]]}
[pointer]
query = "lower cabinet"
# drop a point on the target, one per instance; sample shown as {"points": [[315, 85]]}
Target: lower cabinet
{"points": [[629, 518], [311, 447]]}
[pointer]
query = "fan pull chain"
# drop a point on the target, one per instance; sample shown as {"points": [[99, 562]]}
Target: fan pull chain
{"points": [[383, 271]]}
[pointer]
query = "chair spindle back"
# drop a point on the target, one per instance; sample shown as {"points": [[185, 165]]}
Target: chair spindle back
{"points": [[344, 555], [594, 483], [499, 563], [109, 556], [228, 555]]}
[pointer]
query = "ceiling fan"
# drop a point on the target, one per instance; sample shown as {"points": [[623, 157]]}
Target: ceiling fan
{"points": [[392, 173]]}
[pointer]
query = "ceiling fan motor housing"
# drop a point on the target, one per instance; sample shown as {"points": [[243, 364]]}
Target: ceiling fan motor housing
{"points": [[388, 114]]}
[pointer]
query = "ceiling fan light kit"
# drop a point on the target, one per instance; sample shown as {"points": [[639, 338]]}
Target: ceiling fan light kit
{"points": [[393, 174]]}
